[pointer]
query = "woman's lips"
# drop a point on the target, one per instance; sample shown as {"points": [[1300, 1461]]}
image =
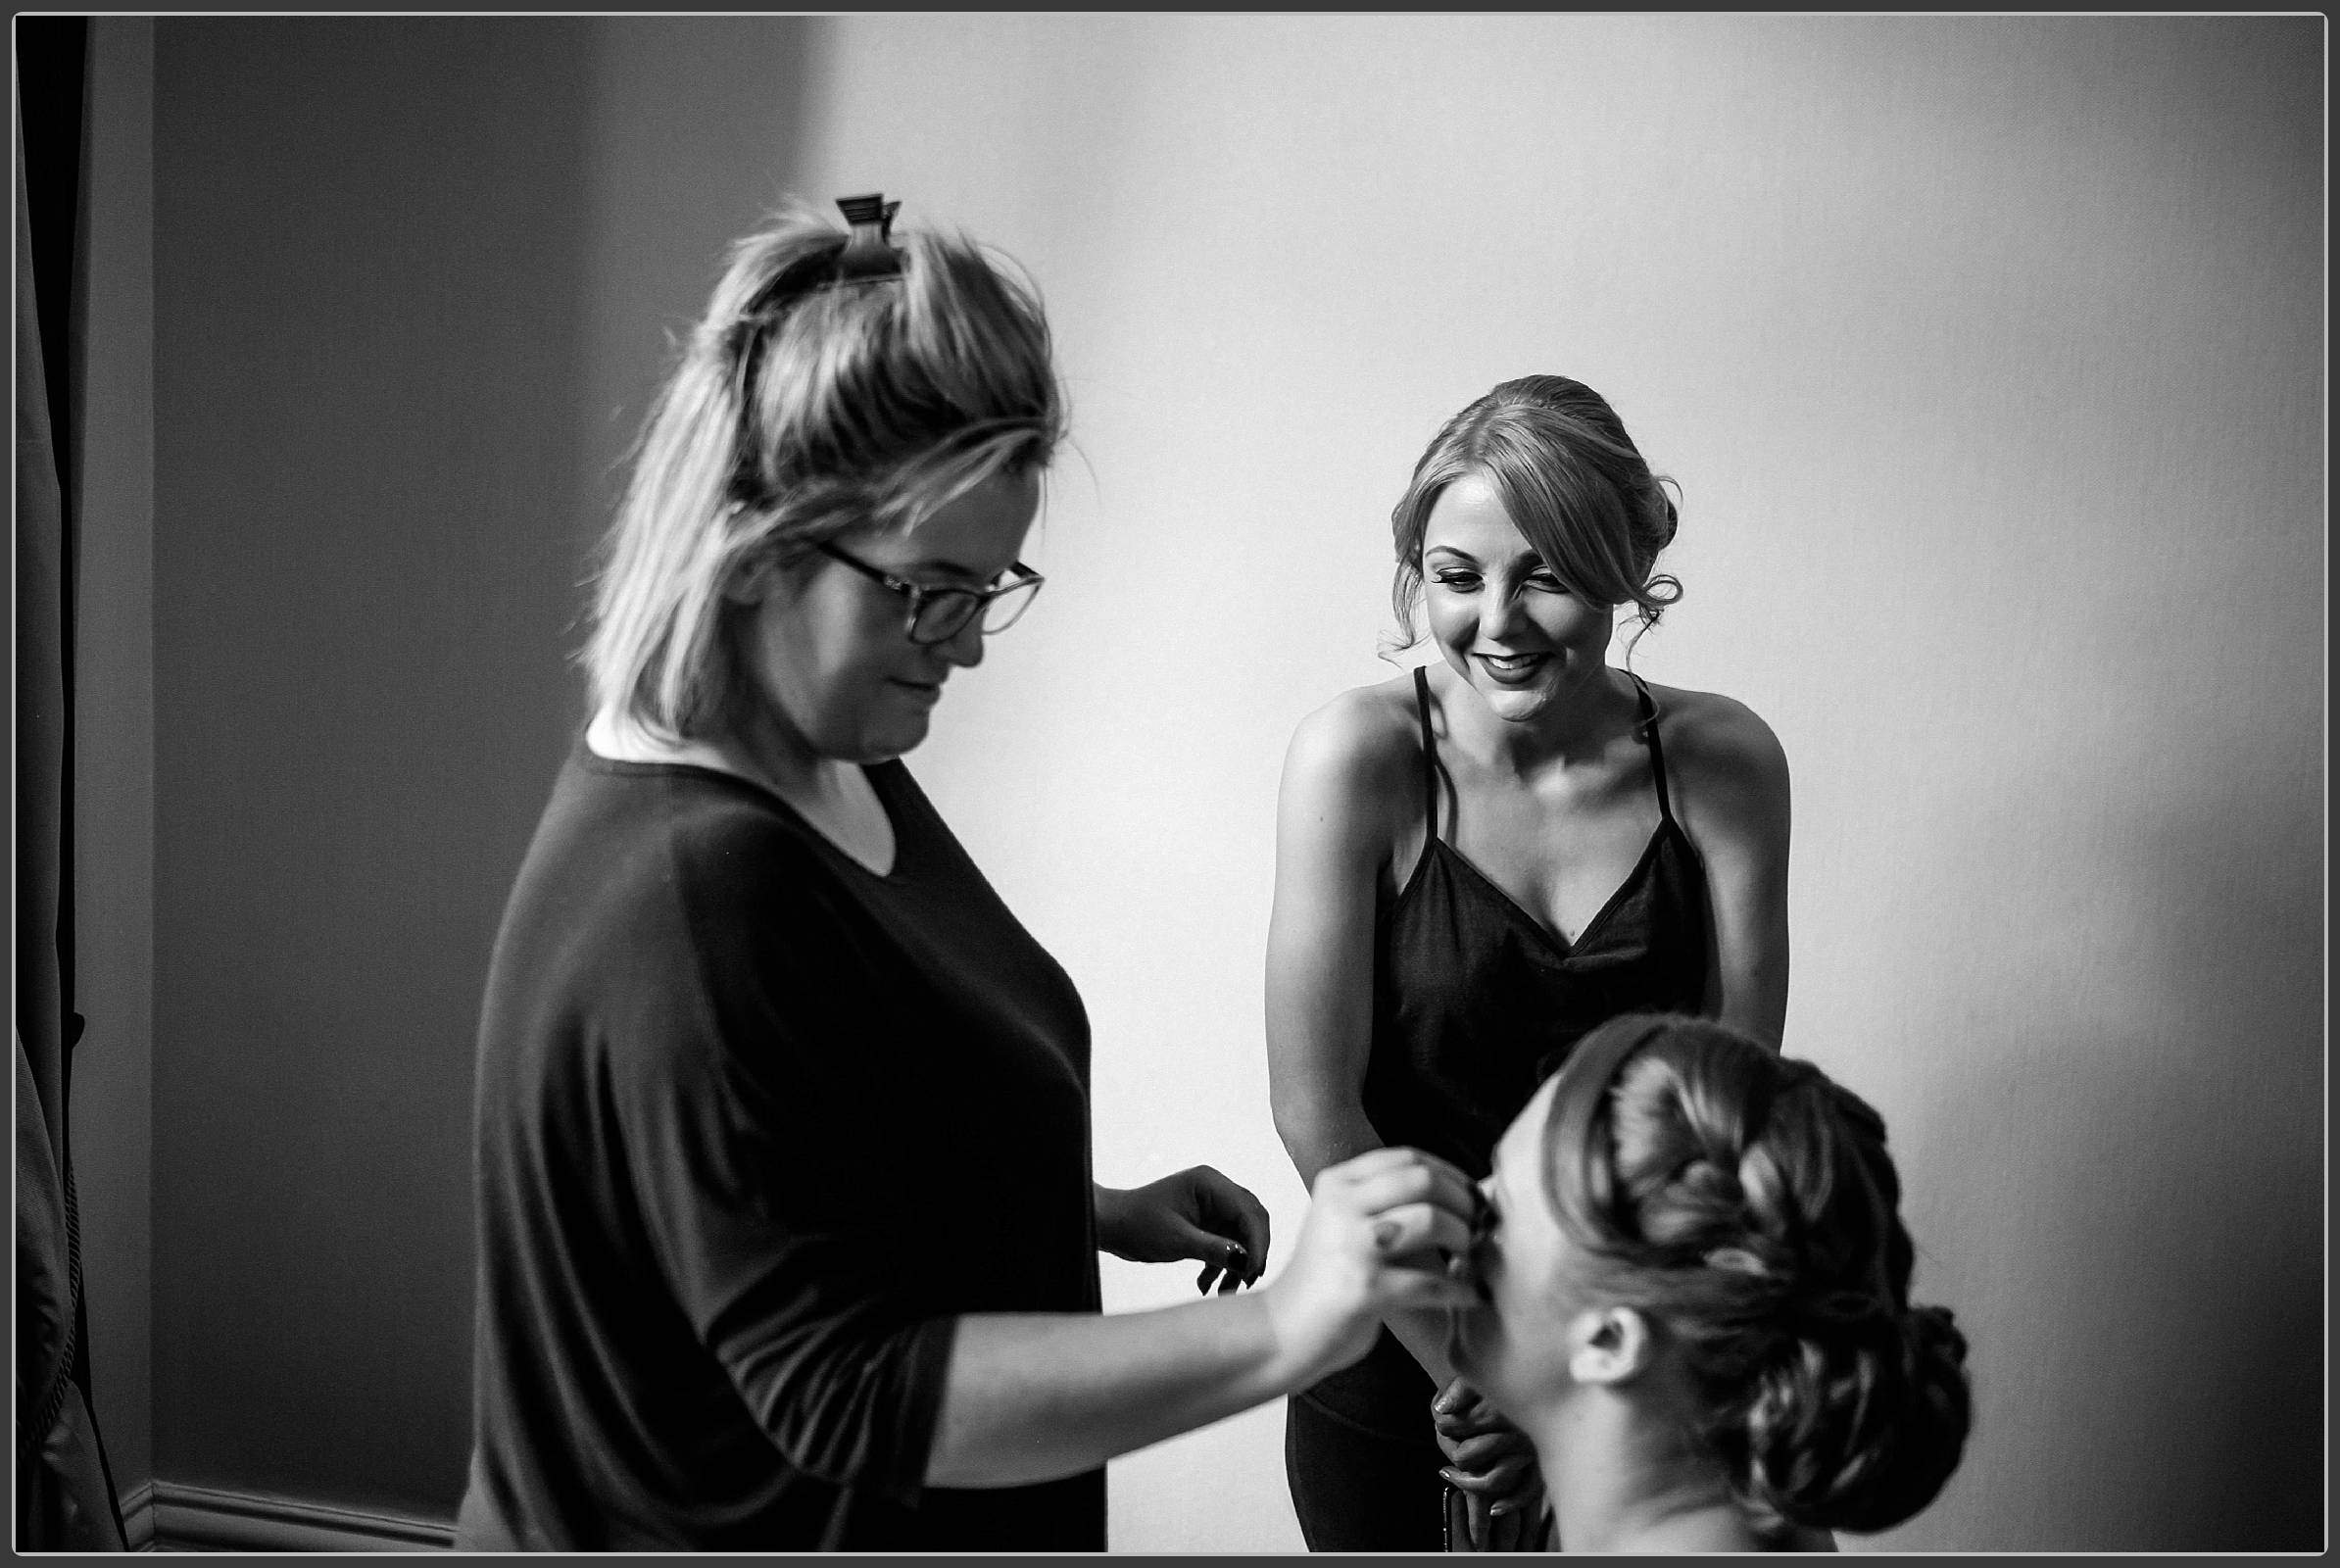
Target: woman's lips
{"points": [[1511, 670]]}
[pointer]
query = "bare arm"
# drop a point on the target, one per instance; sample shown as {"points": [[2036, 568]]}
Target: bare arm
{"points": [[1330, 849], [1034, 1397], [1333, 839], [1735, 808]]}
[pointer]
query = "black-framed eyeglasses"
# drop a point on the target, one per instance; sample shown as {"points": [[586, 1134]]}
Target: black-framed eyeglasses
{"points": [[938, 614]]}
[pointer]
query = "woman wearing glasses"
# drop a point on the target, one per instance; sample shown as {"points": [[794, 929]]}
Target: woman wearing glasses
{"points": [[1481, 860], [787, 1234]]}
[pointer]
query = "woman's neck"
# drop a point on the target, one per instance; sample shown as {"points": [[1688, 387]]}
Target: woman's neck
{"points": [[836, 798], [1621, 1481], [788, 772], [1579, 724]]}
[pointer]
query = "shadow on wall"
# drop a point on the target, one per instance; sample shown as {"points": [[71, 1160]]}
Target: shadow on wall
{"points": [[2159, 1226], [696, 126], [392, 257], [2213, 1257], [365, 253]]}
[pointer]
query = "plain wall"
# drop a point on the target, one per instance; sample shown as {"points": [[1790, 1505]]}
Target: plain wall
{"points": [[1987, 352], [368, 480], [114, 807], [413, 287]]}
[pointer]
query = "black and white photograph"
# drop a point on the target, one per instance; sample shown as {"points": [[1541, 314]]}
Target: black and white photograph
{"points": [[1171, 783]]}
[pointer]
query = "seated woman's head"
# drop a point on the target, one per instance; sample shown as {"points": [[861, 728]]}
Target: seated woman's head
{"points": [[1707, 1235], [887, 398]]}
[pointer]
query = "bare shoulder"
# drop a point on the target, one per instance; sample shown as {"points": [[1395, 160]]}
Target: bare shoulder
{"points": [[1364, 746], [1717, 737], [1728, 770]]}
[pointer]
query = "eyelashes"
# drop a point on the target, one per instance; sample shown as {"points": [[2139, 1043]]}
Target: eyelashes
{"points": [[1466, 581]]}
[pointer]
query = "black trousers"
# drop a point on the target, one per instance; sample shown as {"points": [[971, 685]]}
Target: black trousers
{"points": [[1362, 1458]]}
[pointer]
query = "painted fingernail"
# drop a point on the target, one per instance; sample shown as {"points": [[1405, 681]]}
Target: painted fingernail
{"points": [[1385, 1235]]}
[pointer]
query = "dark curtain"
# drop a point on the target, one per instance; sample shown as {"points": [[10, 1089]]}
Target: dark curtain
{"points": [[65, 1490]]}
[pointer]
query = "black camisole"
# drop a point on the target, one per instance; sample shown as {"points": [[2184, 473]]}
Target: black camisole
{"points": [[1474, 1001]]}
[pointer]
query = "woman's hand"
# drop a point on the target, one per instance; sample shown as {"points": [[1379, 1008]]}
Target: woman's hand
{"points": [[1196, 1213], [1493, 1464], [1379, 1232], [1033, 1396]]}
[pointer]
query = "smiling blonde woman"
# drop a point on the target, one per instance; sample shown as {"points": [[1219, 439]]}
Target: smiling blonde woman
{"points": [[1481, 862]]}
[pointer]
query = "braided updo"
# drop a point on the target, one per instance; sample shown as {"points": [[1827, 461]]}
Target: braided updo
{"points": [[1747, 1202]]}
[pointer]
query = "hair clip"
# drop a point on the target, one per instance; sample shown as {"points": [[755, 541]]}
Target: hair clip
{"points": [[871, 255]]}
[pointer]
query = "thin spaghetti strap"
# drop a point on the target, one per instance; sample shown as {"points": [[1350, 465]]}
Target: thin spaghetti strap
{"points": [[1430, 751], [1657, 751]]}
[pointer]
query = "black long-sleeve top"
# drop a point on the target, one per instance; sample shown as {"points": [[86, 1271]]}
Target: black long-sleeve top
{"points": [[755, 1125]]}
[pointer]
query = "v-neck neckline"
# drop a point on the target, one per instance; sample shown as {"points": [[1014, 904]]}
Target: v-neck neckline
{"points": [[870, 772], [1565, 948]]}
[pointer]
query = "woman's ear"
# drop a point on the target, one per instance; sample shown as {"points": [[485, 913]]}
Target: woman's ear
{"points": [[1609, 1345]]}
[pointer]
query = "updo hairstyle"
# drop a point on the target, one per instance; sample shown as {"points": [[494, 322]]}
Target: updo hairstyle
{"points": [[1747, 1204], [803, 407], [1573, 482]]}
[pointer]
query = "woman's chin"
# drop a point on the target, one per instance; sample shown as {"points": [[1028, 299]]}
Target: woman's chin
{"points": [[1515, 704], [882, 742]]}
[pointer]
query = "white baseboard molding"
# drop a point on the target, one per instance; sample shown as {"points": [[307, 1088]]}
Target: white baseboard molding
{"points": [[138, 1517], [171, 1517]]}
